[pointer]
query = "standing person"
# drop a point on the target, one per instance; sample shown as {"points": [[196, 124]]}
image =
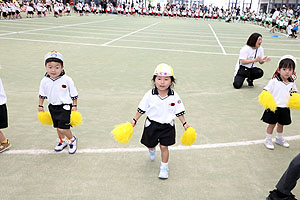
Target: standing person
{"points": [[275, 16], [62, 96], [161, 105], [287, 182], [280, 87], [246, 67], [4, 143]]}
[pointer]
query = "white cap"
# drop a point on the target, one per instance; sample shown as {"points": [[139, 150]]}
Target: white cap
{"points": [[54, 54], [289, 57], [163, 70]]}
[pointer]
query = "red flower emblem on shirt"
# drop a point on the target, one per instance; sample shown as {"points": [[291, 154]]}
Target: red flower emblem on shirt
{"points": [[172, 104], [63, 86]]}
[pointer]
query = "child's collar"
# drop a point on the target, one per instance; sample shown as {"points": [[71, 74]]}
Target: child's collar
{"points": [[278, 77], [155, 91], [61, 74]]}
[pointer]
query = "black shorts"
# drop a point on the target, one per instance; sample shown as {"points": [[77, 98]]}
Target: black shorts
{"points": [[3, 116], [158, 133], [281, 116], [60, 116]]}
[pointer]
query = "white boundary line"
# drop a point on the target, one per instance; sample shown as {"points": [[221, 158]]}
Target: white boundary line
{"points": [[105, 44], [41, 29], [124, 150], [223, 50], [156, 42], [129, 47]]}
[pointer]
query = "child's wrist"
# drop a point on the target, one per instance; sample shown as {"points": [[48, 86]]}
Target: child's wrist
{"points": [[184, 124], [135, 121], [74, 105], [41, 106]]}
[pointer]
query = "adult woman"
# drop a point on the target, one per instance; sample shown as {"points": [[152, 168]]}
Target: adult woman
{"points": [[246, 67]]}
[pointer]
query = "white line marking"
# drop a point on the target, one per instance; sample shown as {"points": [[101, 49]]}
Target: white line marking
{"points": [[41, 29], [128, 47], [123, 150], [157, 42], [105, 44], [223, 50]]}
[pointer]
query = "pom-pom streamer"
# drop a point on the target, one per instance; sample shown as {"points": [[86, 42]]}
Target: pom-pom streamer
{"points": [[188, 137], [267, 101], [76, 118], [45, 118], [123, 132], [294, 102]]}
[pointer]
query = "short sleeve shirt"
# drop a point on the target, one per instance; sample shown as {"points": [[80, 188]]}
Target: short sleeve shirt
{"points": [[2, 94], [248, 53], [59, 91], [281, 91], [162, 110]]}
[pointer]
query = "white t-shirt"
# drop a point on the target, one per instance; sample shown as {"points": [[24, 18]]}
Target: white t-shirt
{"points": [[281, 91], [2, 94], [162, 110], [248, 53], [59, 91], [275, 14]]}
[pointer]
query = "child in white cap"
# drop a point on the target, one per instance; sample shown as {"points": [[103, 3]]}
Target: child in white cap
{"points": [[62, 96], [280, 86], [161, 105]]}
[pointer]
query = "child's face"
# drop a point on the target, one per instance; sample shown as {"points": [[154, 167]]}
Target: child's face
{"points": [[54, 69], [286, 73], [163, 82]]}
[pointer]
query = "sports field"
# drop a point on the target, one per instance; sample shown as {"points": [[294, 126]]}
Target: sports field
{"points": [[111, 60]]}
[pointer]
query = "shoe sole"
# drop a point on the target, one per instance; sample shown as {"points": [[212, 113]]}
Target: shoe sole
{"points": [[61, 149], [269, 148], [6, 148], [163, 178], [281, 145]]}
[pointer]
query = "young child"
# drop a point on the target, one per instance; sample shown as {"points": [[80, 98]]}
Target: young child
{"points": [[4, 143], [280, 86], [161, 105], [62, 96]]}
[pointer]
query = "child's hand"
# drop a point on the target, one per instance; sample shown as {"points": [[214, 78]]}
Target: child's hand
{"points": [[133, 122], [41, 109], [74, 108]]}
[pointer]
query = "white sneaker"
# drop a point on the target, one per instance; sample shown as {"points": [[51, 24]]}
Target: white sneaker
{"points": [[152, 154], [72, 145], [164, 172], [269, 144], [282, 142], [61, 145]]}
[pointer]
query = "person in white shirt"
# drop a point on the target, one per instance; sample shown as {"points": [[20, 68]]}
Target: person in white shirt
{"points": [[161, 105], [246, 67], [61, 93], [275, 16], [280, 86], [4, 143]]}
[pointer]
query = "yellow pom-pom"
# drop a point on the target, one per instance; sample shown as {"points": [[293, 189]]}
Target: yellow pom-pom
{"points": [[294, 102], [189, 136], [123, 132], [76, 118], [45, 118], [267, 101]]}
